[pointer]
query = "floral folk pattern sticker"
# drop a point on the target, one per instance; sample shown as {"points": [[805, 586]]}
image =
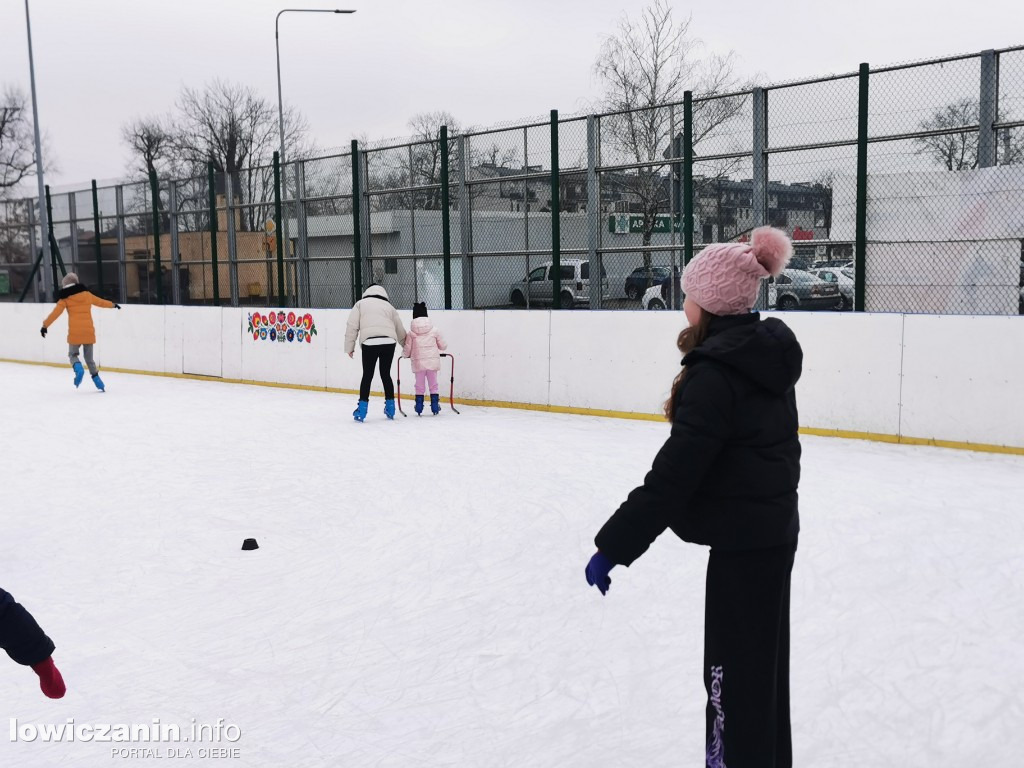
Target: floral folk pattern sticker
{"points": [[282, 326]]}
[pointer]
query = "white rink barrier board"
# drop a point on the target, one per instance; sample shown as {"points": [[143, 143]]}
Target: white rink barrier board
{"points": [[943, 378]]}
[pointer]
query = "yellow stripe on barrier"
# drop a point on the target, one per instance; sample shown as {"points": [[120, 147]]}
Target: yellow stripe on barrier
{"points": [[907, 440], [876, 437]]}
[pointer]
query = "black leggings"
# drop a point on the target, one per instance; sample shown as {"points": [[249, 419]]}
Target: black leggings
{"points": [[372, 353], [746, 658]]}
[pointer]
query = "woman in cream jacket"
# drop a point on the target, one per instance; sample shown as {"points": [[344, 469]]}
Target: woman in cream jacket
{"points": [[378, 328]]}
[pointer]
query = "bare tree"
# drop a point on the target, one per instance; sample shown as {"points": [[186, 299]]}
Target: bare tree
{"points": [[226, 124], [497, 156], [496, 161], [958, 151], [418, 164], [826, 182], [392, 170], [328, 185], [233, 127], [15, 242], [647, 64], [426, 154], [151, 143], [17, 144]]}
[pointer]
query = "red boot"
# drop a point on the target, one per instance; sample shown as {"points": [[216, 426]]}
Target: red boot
{"points": [[50, 681]]}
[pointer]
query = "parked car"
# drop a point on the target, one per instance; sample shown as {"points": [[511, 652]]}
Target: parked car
{"points": [[841, 279], [657, 296], [833, 264], [636, 283], [652, 299], [537, 287], [1020, 301], [798, 289]]}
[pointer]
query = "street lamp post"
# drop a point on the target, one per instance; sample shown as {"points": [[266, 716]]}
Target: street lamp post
{"points": [[44, 223], [277, 47], [280, 100]]}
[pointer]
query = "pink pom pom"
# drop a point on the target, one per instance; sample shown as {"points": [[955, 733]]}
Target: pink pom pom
{"points": [[771, 248]]}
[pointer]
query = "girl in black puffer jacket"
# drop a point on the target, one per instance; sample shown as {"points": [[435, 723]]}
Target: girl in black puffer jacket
{"points": [[727, 478], [27, 644]]}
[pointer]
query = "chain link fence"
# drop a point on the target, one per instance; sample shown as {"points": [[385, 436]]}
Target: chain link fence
{"points": [[902, 188], [17, 246]]}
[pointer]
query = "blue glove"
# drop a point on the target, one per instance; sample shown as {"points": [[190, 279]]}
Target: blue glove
{"points": [[597, 572]]}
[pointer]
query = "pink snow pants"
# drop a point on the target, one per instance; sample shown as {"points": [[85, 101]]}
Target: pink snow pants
{"points": [[423, 378]]}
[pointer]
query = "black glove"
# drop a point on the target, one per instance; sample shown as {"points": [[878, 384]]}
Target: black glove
{"points": [[43, 331], [116, 305]]}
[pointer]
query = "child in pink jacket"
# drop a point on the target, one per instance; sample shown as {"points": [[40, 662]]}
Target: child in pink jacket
{"points": [[423, 345]]}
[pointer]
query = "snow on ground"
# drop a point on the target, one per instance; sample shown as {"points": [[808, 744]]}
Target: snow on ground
{"points": [[418, 596]]}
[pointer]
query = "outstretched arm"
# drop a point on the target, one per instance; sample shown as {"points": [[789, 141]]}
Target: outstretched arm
{"points": [[57, 311], [98, 302]]}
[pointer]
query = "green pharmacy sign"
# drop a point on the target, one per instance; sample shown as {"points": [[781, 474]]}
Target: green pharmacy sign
{"points": [[633, 224]]}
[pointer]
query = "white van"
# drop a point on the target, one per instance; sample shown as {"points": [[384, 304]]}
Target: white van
{"points": [[537, 287]]}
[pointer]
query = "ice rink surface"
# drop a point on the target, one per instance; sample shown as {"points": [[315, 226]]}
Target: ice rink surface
{"points": [[418, 596]]}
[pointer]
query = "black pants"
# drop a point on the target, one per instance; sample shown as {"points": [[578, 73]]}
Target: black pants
{"points": [[20, 636], [746, 658], [372, 354]]}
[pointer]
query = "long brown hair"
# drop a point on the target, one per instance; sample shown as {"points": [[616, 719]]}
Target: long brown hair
{"points": [[691, 337]]}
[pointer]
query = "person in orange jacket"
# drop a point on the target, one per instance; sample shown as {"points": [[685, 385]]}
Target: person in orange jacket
{"points": [[76, 299]]}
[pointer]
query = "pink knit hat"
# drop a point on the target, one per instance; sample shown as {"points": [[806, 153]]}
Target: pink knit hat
{"points": [[724, 277]]}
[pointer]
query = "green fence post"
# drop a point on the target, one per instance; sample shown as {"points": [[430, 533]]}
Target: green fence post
{"points": [[31, 276], [860, 247], [278, 231], [687, 177], [213, 232], [96, 236], [446, 232], [556, 233], [48, 236], [51, 242], [357, 243], [157, 267]]}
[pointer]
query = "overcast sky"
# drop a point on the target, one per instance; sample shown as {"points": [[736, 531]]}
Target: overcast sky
{"points": [[100, 63]]}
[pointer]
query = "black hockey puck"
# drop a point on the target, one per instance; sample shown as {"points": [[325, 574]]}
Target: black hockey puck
{"points": [[250, 544]]}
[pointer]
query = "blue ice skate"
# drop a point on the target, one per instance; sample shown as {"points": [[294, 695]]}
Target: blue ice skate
{"points": [[389, 408], [79, 373], [419, 405], [435, 403], [98, 382], [360, 412]]}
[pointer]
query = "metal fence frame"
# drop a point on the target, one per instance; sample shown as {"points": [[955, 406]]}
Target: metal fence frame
{"points": [[193, 224]]}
